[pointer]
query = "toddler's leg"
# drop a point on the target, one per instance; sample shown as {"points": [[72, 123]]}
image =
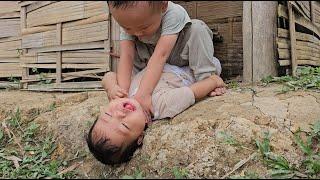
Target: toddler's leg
{"points": [[199, 50]]}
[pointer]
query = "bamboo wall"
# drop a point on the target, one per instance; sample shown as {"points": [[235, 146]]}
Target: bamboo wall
{"points": [[64, 41], [299, 30], [225, 20], [10, 42]]}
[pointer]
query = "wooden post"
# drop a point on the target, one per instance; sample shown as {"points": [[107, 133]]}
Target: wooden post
{"points": [[292, 31], [259, 39], [247, 41], [23, 25], [59, 54]]}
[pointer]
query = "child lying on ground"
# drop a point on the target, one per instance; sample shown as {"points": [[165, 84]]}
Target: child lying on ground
{"points": [[119, 130]]}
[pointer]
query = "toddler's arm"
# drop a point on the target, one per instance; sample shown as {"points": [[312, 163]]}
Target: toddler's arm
{"points": [[156, 63], [124, 69]]}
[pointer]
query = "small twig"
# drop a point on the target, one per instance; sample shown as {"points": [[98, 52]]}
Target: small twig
{"points": [[239, 164], [70, 168], [14, 159], [6, 129]]}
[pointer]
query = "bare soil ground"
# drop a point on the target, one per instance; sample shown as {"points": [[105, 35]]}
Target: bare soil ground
{"points": [[192, 141]]}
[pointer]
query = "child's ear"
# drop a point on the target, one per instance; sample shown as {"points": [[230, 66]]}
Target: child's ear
{"points": [[140, 139], [164, 6]]}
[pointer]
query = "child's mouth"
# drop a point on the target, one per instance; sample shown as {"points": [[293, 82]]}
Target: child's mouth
{"points": [[129, 106]]}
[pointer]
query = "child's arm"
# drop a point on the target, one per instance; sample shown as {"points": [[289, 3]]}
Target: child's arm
{"points": [[202, 88], [154, 69], [124, 69]]}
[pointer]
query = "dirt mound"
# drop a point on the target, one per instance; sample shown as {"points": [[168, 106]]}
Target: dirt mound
{"points": [[206, 141]]}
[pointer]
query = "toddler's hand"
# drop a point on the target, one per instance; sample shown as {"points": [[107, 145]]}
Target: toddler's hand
{"points": [[221, 87], [116, 92]]}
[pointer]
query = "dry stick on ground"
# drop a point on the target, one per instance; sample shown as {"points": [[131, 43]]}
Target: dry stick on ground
{"points": [[16, 140], [239, 164]]}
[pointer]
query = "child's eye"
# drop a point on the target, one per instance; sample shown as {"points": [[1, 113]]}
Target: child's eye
{"points": [[108, 114]]}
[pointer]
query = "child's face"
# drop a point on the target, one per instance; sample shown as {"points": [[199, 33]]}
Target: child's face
{"points": [[122, 121], [141, 20]]}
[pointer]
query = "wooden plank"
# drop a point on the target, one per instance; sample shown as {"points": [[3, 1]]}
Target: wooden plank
{"points": [[283, 33], [9, 85], [308, 44], [38, 40], [67, 86], [37, 29], [38, 4], [9, 54], [309, 62], [69, 57], [94, 19], [9, 6], [66, 66], [25, 3], [7, 15], [292, 39], [284, 62], [283, 43], [90, 45], [8, 39], [65, 11], [65, 76], [86, 33], [311, 52], [284, 54], [9, 27], [10, 45], [10, 60]]}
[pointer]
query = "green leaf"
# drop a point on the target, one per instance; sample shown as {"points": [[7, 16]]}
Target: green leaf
{"points": [[304, 147]]}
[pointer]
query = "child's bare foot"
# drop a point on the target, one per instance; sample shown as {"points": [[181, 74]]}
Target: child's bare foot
{"points": [[218, 91]]}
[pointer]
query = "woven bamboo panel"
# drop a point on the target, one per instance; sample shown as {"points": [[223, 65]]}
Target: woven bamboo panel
{"points": [[316, 12], [10, 42], [65, 43]]}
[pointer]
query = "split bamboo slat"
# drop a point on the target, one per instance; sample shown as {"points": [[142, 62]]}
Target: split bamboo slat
{"points": [[299, 46], [225, 19], [66, 45], [10, 43]]}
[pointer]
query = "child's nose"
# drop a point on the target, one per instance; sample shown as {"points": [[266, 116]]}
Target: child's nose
{"points": [[120, 114]]}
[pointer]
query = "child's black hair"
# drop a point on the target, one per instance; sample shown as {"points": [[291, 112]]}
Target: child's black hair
{"points": [[127, 4], [108, 153]]}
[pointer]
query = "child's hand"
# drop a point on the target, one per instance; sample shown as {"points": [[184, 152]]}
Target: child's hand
{"points": [[145, 101], [221, 87], [116, 92]]}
